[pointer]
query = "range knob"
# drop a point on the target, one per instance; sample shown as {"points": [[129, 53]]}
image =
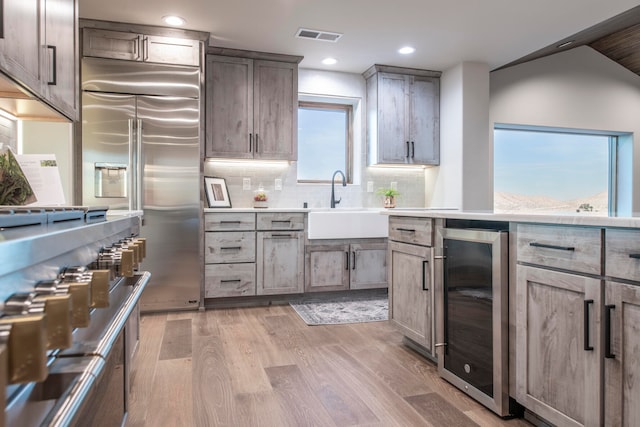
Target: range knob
{"points": [[79, 293], [25, 339], [98, 283], [127, 259], [118, 259], [57, 309]]}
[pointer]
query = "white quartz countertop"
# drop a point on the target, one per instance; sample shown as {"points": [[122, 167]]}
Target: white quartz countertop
{"points": [[266, 210], [583, 220]]}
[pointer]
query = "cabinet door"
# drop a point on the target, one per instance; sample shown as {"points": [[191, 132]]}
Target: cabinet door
{"points": [[424, 121], [394, 144], [280, 263], [622, 356], [171, 50], [410, 291], [558, 351], [61, 65], [111, 44], [229, 117], [327, 267], [368, 266], [20, 41], [275, 109]]}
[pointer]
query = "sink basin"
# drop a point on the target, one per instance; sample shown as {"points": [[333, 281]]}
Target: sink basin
{"points": [[347, 224]]}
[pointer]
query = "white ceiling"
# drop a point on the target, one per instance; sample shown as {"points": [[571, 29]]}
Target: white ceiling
{"points": [[444, 32]]}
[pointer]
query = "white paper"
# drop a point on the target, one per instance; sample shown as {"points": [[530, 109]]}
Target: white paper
{"points": [[43, 175]]}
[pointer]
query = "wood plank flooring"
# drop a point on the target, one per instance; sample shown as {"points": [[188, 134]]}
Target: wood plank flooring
{"points": [[263, 366]]}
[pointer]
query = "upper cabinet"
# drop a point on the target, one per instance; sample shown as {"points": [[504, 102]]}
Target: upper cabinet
{"points": [[403, 115], [132, 46], [20, 41], [38, 49], [61, 61], [251, 105]]}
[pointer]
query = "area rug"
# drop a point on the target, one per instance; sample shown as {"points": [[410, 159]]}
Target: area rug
{"points": [[343, 310]]}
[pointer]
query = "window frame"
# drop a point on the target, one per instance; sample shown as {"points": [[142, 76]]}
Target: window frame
{"points": [[612, 209], [349, 145]]}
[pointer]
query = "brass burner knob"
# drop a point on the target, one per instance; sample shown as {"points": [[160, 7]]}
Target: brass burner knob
{"points": [[26, 339]]}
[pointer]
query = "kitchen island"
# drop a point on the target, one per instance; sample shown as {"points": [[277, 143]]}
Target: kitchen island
{"points": [[573, 299]]}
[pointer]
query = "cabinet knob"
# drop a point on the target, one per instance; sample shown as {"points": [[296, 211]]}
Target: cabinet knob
{"points": [[26, 343]]}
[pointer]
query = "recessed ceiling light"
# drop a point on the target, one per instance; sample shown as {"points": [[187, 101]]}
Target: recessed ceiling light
{"points": [[406, 50], [329, 61], [565, 44], [174, 20]]}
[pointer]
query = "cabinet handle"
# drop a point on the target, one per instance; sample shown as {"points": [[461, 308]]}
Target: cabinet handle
{"points": [[256, 147], [285, 221], [587, 334], [230, 248], [1, 19], [413, 149], [407, 149], [544, 245], [230, 281], [145, 47], [54, 65], [408, 230], [290, 236], [230, 222], [424, 275], [634, 256], [347, 256], [607, 331], [250, 142], [136, 49], [353, 260]]}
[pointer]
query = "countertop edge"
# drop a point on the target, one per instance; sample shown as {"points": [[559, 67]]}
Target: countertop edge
{"points": [[592, 221]]}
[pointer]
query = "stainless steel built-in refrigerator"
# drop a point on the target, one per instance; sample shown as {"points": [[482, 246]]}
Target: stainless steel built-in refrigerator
{"points": [[141, 151]]}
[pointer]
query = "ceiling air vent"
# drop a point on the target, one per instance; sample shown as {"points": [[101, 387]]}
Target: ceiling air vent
{"points": [[325, 36]]}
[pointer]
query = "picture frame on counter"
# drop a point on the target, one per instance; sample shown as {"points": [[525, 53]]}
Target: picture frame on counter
{"points": [[217, 192]]}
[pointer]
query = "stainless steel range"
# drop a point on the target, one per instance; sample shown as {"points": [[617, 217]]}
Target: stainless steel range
{"points": [[69, 291]]}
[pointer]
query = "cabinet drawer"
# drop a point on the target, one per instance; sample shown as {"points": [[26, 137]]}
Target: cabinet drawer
{"points": [[622, 254], [230, 247], [571, 248], [229, 280], [229, 221], [280, 221], [418, 231]]}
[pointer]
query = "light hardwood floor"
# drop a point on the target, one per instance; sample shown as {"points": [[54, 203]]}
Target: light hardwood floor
{"points": [[264, 366]]}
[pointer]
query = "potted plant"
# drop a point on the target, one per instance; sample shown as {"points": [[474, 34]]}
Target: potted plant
{"points": [[389, 196]]}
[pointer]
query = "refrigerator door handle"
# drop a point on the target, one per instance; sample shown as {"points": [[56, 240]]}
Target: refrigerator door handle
{"points": [[139, 171], [131, 175]]}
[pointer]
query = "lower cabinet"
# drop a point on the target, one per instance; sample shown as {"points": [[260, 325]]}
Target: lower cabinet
{"points": [[410, 291], [622, 354], [280, 262], [558, 346], [336, 266]]}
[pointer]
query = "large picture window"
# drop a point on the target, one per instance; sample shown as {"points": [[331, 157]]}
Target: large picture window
{"points": [[324, 141], [554, 171]]}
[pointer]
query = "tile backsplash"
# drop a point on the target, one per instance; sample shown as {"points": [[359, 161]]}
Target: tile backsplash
{"points": [[410, 184]]}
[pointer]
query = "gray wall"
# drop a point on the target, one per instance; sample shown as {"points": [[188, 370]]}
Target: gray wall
{"points": [[581, 89]]}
